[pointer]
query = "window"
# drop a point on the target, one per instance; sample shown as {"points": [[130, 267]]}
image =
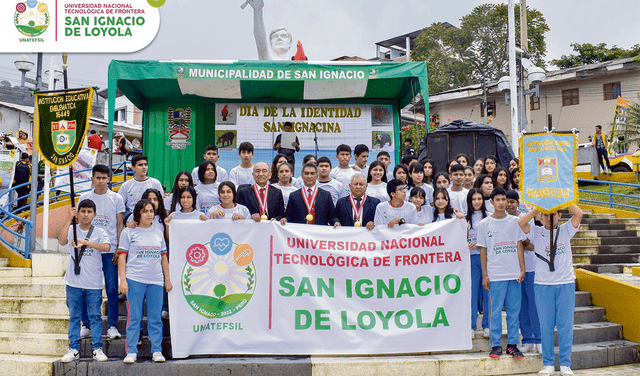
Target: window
{"points": [[491, 109], [534, 103], [570, 97], [121, 114], [611, 91]]}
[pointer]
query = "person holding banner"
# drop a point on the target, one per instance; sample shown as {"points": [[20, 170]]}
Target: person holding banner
{"points": [[144, 270], [479, 296], [310, 204], [396, 211], [554, 285], [264, 202], [502, 256], [357, 209], [599, 140], [228, 208]]}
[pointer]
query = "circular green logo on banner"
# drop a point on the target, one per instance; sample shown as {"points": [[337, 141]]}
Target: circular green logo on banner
{"points": [[219, 277], [156, 3], [31, 17]]}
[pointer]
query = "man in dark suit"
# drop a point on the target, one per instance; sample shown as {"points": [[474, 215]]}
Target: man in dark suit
{"points": [[310, 204], [263, 201], [348, 207]]}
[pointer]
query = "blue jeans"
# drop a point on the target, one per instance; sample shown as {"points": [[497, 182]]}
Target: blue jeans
{"points": [[529, 323], [135, 301], [505, 294], [92, 299], [476, 289], [556, 305], [110, 272]]}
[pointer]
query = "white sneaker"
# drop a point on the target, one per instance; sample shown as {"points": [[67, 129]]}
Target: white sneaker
{"points": [[547, 370], [165, 314], [85, 332], [486, 333], [113, 333], [539, 348], [527, 347], [564, 370], [99, 355], [130, 358], [158, 357], [70, 355], [473, 334]]}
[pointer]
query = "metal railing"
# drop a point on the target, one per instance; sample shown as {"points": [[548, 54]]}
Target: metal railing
{"points": [[610, 194], [8, 212]]}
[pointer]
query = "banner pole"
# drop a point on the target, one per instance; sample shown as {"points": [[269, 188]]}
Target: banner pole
{"points": [[47, 176]]}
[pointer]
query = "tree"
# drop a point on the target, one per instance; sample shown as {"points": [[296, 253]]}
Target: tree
{"points": [[588, 53], [477, 49]]}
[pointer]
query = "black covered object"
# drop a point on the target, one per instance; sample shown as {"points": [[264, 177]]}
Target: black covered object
{"points": [[476, 140]]}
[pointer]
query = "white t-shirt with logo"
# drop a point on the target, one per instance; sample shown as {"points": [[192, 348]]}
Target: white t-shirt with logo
{"points": [[334, 187], [488, 206], [343, 175], [458, 199], [194, 214], [286, 191], [108, 206], [228, 213], [90, 276], [529, 256], [207, 196], [132, 190], [221, 175], [385, 212], [240, 175], [425, 215], [428, 193], [378, 191], [563, 263], [500, 236], [472, 235], [145, 247], [168, 201]]}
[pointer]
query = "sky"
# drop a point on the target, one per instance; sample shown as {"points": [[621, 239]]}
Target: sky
{"points": [[221, 30]]}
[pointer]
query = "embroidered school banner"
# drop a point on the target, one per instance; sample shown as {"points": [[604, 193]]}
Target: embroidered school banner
{"points": [[547, 179], [62, 121], [262, 288]]}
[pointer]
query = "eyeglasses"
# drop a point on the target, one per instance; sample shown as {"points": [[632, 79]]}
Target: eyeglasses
{"points": [[401, 189]]}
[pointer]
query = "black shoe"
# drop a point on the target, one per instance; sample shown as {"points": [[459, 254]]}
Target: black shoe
{"points": [[140, 339], [513, 351], [496, 351]]}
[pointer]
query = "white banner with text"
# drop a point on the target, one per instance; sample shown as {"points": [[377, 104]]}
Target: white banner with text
{"points": [[263, 288]]}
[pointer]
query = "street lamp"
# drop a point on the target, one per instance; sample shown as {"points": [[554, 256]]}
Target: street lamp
{"points": [[57, 75], [24, 64], [535, 75]]}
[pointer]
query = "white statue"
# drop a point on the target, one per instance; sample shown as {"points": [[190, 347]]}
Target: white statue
{"points": [[279, 43]]}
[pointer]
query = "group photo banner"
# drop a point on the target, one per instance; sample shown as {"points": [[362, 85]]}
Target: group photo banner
{"points": [[547, 178], [262, 288]]}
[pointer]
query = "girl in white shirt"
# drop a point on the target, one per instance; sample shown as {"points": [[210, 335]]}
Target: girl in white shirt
{"points": [[377, 181], [208, 190], [172, 199], [425, 211], [485, 184], [442, 204], [429, 168], [285, 172], [188, 208], [401, 173], [416, 179], [475, 201], [228, 208]]}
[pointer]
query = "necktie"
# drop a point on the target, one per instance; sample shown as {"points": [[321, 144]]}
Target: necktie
{"points": [[309, 194], [262, 194], [358, 201]]}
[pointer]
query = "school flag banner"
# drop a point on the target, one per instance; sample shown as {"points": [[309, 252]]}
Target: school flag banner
{"points": [[62, 121], [620, 123], [547, 178], [8, 160], [262, 288]]}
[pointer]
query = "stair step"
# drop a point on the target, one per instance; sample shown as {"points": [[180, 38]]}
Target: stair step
{"points": [[607, 268], [618, 233], [588, 314], [27, 305], [14, 272], [27, 365], [4, 262], [51, 344], [26, 289], [585, 249], [34, 323], [624, 258], [595, 332], [602, 354], [585, 241], [611, 226], [619, 249], [620, 240]]}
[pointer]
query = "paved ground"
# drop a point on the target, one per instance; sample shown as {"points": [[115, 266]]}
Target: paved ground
{"points": [[624, 370]]}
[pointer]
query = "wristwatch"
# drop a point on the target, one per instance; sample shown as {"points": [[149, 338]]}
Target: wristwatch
{"points": [[402, 222]]}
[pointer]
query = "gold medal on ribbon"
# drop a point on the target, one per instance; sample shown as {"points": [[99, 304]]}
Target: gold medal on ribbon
{"points": [[264, 217], [309, 217], [357, 224]]}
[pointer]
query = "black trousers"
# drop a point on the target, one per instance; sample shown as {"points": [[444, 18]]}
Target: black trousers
{"points": [[602, 153]]}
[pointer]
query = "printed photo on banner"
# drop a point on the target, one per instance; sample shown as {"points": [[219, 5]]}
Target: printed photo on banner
{"points": [[382, 140], [381, 115], [226, 139], [299, 289], [226, 114]]}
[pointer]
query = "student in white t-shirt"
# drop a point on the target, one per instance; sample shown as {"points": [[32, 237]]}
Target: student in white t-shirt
{"points": [[554, 290], [183, 179], [243, 174], [469, 177], [131, 190], [326, 182], [529, 322], [377, 181], [284, 173], [442, 206], [441, 180], [144, 271], [84, 285], [208, 190], [110, 217], [416, 179], [485, 184], [210, 154], [502, 256], [361, 154], [457, 192], [429, 168], [228, 208], [188, 208], [343, 171], [477, 213], [396, 211], [424, 211], [384, 157]]}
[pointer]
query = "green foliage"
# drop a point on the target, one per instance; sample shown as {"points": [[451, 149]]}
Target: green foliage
{"points": [[587, 53], [462, 56], [415, 132], [220, 290]]}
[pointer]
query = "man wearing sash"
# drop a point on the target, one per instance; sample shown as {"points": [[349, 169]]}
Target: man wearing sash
{"points": [[263, 201], [357, 209], [310, 204]]}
